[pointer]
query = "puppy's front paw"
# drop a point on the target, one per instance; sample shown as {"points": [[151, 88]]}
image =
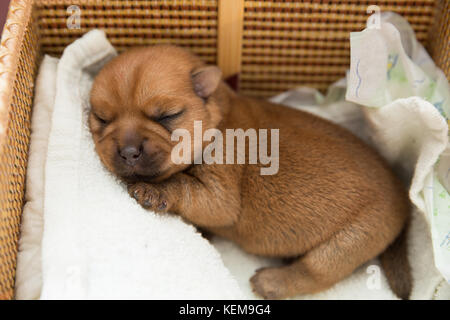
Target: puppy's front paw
{"points": [[268, 283], [149, 197]]}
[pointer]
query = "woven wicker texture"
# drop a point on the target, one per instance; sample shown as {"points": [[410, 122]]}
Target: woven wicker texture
{"points": [[292, 43], [188, 23], [284, 44], [14, 146], [439, 37]]}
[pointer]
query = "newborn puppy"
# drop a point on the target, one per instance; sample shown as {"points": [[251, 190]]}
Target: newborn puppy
{"points": [[333, 205]]}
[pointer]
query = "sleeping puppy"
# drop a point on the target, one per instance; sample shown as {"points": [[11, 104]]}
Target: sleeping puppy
{"points": [[332, 205]]}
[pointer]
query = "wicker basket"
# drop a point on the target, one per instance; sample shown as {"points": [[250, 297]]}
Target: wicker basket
{"points": [[272, 45]]}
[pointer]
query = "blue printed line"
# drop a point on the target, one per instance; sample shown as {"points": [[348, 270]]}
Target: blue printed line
{"points": [[359, 79], [438, 105], [416, 82], [446, 240], [393, 64]]}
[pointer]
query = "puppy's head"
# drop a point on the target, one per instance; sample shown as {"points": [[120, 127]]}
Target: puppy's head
{"points": [[139, 98]]}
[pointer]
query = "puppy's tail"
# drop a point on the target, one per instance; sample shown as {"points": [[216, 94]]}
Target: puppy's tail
{"points": [[394, 261]]}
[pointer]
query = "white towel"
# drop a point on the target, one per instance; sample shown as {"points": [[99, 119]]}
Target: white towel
{"points": [[29, 270]]}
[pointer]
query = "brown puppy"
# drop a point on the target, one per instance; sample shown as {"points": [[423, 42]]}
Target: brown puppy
{"points": [[334, 203]]}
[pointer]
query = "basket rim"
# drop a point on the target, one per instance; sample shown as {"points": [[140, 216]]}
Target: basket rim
{"points": [[11, 41]]}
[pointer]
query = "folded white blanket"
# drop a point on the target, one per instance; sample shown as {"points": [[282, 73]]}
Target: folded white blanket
{"points": [[98, 243], [29, 270]]}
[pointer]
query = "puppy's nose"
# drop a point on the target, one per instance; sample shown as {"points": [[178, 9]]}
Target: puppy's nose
{"points": [[131, 154]]}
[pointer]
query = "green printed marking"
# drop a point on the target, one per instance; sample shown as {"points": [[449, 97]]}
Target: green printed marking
{"points": [[429, 91]]}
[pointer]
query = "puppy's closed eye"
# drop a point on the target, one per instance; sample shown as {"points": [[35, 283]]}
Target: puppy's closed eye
{"points": [[102, 120], [164, 119]]}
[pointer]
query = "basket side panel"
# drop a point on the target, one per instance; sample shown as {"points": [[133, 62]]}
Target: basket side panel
{"points": [[439, 37], [187, 23], [306, 43], [14, 156]]}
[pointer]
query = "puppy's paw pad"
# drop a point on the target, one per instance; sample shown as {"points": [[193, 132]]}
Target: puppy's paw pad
{"points": [[148, 196], [161, 204], [138, 191], [268, 283]]}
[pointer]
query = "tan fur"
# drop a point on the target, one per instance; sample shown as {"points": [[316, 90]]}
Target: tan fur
{"points": [[334, 204]]}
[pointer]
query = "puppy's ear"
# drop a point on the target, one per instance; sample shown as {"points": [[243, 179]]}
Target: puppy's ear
{"points": [[206, 80]]}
